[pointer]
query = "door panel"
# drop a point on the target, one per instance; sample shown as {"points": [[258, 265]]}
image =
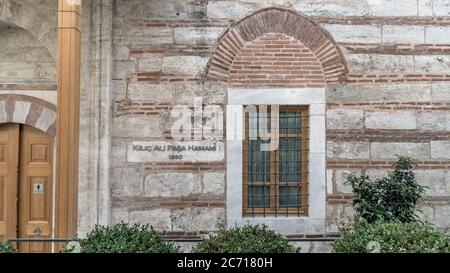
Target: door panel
{"points": [[35, 189], [9, 160]]}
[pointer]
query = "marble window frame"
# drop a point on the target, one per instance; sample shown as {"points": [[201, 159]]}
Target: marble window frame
{"points": [[315, 98]]}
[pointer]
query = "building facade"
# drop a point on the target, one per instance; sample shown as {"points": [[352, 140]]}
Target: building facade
{"points": [[165, 90]]}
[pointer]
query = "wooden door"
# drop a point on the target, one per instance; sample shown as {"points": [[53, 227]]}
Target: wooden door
{"points": [[26, 188], [9, 163], [35, 189]]}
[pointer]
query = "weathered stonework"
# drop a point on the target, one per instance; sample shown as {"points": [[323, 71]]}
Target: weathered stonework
{"points": [[340, 176], [391, 120], [440, 149], [342, 118], [384, 65], [173, 184], [347, 150], [198, 219], [30, 111]]}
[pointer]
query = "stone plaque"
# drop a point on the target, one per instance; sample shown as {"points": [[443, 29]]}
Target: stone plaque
{"points": [[176, 151]]}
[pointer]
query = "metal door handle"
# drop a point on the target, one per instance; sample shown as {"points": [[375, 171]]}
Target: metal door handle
{"points": [[37, 231]]}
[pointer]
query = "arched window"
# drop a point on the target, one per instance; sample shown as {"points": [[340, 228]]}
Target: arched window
{"points": [[283, 60]]}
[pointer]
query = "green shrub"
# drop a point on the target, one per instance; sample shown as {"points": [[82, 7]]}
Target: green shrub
{"points": [[123, 238], [7, 247], [393, 198], [248, 239], [393, 237]]}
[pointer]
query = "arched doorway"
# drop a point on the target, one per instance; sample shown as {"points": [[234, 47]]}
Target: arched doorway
{"points": [[26, 188]]}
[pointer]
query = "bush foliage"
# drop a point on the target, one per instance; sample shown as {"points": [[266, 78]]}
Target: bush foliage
{"points": [[247, 239], [123, 238], [392, 198], [6, 247], [393, 237]]}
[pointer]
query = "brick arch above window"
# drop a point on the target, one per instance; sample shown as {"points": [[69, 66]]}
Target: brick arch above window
{"points": [[276, 60], [277, 21], [30, 111]]}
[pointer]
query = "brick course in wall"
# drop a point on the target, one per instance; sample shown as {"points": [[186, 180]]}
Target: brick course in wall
{"points": [[397, 49], [389, 78], [276, 60]]}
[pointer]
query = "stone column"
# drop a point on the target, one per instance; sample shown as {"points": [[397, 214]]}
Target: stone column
{"points": [[94, 195]]}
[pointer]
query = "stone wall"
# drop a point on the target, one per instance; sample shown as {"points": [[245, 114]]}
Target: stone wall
{"points": [[23, 58], [395, 101], [369, 125], [26, 66], [385, 66], [305, 247], [393, 98], [158, 65]]}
